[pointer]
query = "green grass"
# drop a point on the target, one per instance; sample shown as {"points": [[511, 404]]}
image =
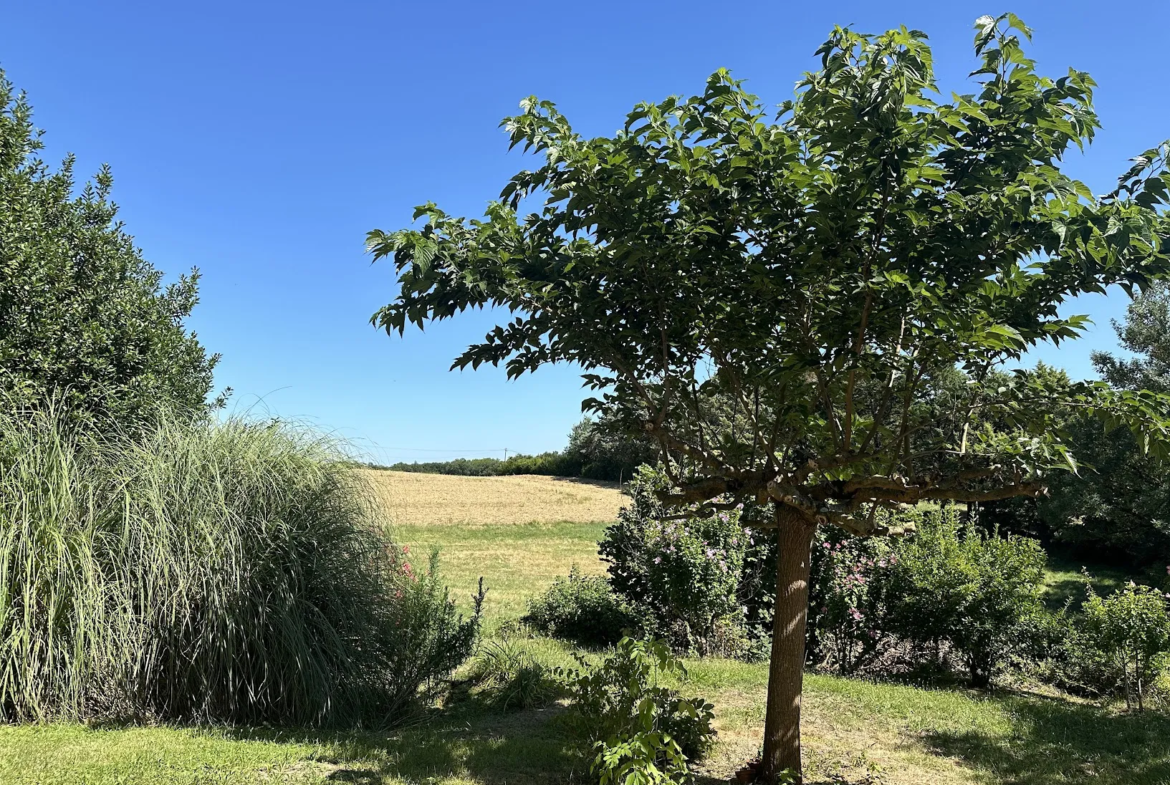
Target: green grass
{"points": [[913, 736], [1064, 581], [517, 562]]}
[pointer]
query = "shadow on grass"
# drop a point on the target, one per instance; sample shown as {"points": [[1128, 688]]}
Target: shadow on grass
{"points": [[1054, 741], [489, 747]]}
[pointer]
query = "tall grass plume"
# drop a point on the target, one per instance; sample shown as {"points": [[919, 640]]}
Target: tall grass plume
{"points": [[232, 571]]}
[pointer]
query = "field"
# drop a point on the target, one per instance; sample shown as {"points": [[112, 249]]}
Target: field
{"points": [[897, 734], [412, 499]]}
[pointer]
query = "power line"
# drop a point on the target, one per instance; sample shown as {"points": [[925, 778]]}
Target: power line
{"points": [[452, 449]]}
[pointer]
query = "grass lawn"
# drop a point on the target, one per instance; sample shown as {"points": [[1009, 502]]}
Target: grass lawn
{"points": [[517, 562], [852, 728]]}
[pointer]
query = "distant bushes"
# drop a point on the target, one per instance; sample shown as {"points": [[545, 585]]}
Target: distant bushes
{"points": [[229, 572], [597, 451], [553, 464]]}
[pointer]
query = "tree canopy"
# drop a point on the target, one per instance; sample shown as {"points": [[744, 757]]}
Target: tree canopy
{"points": [[822, 309], [83, 317], [817, 270]]}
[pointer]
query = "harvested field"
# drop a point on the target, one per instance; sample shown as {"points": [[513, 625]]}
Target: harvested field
{"points": [[415, 499]]}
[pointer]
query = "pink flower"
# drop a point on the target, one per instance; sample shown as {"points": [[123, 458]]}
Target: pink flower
{"points": [[406, 549], [658, 560]]}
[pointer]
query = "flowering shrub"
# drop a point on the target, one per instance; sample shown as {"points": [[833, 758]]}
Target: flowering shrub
{"points": [[847, 613], [684, 575], [427, 638]]}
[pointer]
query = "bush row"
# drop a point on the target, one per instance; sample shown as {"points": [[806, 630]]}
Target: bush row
{"points": [[597, 450], [952, 597]]}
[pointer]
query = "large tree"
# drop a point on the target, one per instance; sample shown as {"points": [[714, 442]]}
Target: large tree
{"points": [[1120, 506], [84, 319], [813, 309]]}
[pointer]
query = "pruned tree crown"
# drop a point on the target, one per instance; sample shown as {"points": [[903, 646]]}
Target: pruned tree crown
{"points": [[814, 308]]}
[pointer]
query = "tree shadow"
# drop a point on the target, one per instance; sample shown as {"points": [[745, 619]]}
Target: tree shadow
{"points": [[608, 484], [1055, 742], [491, 747]]}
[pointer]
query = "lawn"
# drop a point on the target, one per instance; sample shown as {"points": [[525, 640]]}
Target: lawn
{"points": [[852, 728]]}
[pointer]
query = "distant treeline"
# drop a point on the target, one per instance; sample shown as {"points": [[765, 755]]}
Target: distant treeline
{"points": [[596, 451]]}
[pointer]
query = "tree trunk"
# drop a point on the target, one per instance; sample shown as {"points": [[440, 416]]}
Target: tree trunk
{"points": [[794, 535]]}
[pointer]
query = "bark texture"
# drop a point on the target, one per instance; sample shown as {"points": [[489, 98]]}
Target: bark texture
{"points": [[794, 533]]}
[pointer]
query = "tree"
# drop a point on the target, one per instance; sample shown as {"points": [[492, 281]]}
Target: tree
{"points": [[605, 452], [826, 272], [1120, 506], [82, 316]]}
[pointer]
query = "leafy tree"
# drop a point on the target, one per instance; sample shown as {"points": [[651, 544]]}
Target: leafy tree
{"points": [[605, 452], [82, 316], [1120, 505], [825, 272]]}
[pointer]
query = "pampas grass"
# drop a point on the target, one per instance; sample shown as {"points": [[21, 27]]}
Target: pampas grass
{"points": [[202, 571]]}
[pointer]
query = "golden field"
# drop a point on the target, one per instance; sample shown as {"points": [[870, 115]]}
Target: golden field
{"points": [[415, 499]]}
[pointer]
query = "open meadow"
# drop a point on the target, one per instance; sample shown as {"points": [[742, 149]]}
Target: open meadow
{"points": [[855, 731]]}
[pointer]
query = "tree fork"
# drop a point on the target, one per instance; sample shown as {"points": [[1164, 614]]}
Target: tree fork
{"points": [[794, 534]]}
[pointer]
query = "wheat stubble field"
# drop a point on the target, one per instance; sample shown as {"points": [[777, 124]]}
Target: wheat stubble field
{"points": [[413, 499], [518, 533]]}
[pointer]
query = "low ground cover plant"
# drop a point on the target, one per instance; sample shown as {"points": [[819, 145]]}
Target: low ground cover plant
{"points": [[231, 572], [512, 678]]}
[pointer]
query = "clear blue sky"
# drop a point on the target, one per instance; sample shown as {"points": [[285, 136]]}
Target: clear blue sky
{"points": [[261, 141]]}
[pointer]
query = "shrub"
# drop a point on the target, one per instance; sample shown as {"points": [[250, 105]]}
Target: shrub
{"points": [[980, 593], [1130, 629], [581, 608], [684, 575], [640, 731], [198, 571], [847, 599], [512, 677]]}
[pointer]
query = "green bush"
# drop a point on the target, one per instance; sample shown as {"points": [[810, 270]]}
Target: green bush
{"points": [[230, 572], [684, 576], [639, 730], [1130, 631], [582, 609], [977, 592]]}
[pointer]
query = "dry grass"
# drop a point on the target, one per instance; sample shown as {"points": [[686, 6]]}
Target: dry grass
{"points": [[415, 499]]}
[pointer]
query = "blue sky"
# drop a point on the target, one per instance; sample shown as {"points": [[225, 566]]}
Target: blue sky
{"points": [[260, 142]]}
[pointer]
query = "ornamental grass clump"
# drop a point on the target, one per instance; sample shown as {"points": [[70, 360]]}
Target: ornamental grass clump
{"points": [[201, 571]]}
